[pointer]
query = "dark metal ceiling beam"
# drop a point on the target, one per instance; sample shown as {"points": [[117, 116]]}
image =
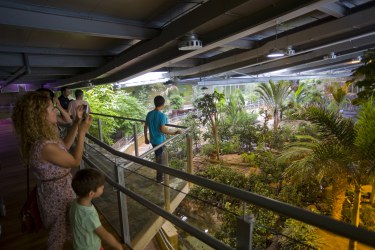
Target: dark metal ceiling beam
{"points": [[259, 21], [255, 79], [346, 24], [176, 29], [31, 16], [16, 60], [205, 13], [240, 44], [54, 51], [316, 55], [333, 9], [325, 64]]}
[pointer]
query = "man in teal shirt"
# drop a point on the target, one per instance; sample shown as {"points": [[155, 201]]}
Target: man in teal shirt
{"points": [[155, 122]]}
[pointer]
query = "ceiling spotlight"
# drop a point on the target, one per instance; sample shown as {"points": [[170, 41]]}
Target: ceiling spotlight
{"points": [[190, 42], [276, 53], [290, 51], [331, 55]]}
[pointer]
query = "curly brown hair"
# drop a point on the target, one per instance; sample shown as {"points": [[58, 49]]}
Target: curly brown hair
{"points": [[31, 124]]}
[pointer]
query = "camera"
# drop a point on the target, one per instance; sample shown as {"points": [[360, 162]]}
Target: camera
{"points": [[84, 112]]}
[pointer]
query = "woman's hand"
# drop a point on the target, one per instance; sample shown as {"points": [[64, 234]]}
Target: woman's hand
{"points": [[85, 125], [57, 103], [79, 112]]}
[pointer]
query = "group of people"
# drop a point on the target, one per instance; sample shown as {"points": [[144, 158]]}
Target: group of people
{"points": [[65, 201], [51, 159]]}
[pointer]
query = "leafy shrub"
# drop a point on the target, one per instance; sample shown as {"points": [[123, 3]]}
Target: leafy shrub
{"points": [[301, 233], [367, 217], [230, 147], [208, 149], [248, 158], [177, 164]]}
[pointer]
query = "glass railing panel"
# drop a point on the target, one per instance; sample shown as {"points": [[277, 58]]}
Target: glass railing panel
{"points": [[107, 205], [187, 242], [213, 219], [141, 181], [140, 218], [101, 159]]}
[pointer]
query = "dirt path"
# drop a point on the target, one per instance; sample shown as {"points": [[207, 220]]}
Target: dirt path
{"points": [[233, 161]]}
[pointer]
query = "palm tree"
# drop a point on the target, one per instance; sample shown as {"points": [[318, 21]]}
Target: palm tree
{"points": [[275, 97], [338, 95], [235, 106], [344, 153]]}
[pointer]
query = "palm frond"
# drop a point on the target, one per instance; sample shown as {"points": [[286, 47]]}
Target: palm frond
{"points": [[331, 125], [365, 131]]}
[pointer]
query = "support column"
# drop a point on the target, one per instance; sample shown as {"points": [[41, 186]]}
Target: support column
{"points": [[135, 139], [123, 207], [167, 195], [100, 129]]}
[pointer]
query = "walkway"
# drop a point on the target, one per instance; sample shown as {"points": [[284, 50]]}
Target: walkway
{"points": [[13, 190]]}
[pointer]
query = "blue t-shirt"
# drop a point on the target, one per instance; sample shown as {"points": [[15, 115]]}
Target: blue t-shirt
{"points": [[155, 119]]}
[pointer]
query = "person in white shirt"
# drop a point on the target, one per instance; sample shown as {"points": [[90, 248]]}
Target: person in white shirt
{"points": [[78, 102]]}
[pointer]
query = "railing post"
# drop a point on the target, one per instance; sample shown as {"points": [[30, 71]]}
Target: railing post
{"points": [[245, 229], [189, 155], [123, 207], [100, 129], [167, 195], [135, 139]]}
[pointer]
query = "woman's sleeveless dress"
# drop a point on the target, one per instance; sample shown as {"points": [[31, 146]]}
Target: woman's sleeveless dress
{"points": [[55, 194]]}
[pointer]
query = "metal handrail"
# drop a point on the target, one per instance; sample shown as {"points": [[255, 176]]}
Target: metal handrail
{"points": [[209, 240], [324, 222], [136, 120]]}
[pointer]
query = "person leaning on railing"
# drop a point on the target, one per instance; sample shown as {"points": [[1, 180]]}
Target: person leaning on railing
{"points": [[35, 122], [155, 123]]}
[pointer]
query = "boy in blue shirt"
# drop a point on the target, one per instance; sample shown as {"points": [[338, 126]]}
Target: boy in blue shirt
{"points": [[84, 220], [155, 122]]}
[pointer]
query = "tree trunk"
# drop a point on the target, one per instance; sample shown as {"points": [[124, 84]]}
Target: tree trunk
{"points": [[372, 197], [216, 140], [275, 119], [355, 214], [338, 197]]}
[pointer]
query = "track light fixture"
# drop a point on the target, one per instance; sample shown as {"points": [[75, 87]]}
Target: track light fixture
{"points": [[275, 52]]}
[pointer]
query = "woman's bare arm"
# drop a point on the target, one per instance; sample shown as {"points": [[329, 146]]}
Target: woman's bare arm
{"points": [[53, 153]]}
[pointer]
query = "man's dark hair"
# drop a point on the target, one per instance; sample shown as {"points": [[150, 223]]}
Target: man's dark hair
{"points": [[78, 93], [87, 180], [159, 101], [63, 89], [50, 92]]}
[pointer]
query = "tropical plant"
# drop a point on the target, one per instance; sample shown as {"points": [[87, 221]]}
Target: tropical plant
{"points": [[275, 96], [338, 95], [208, 106], [176, 101], [343, 153], [364, 77], [104, 99], [235, 106], [303, 235]]}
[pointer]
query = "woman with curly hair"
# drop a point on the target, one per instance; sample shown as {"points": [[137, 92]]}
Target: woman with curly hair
{"points": [[34, 119]]}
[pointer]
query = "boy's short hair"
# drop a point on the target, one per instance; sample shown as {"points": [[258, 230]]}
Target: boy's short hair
{"points": [[87, 180], [63, 89], [78, 93], [159, 101]]}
